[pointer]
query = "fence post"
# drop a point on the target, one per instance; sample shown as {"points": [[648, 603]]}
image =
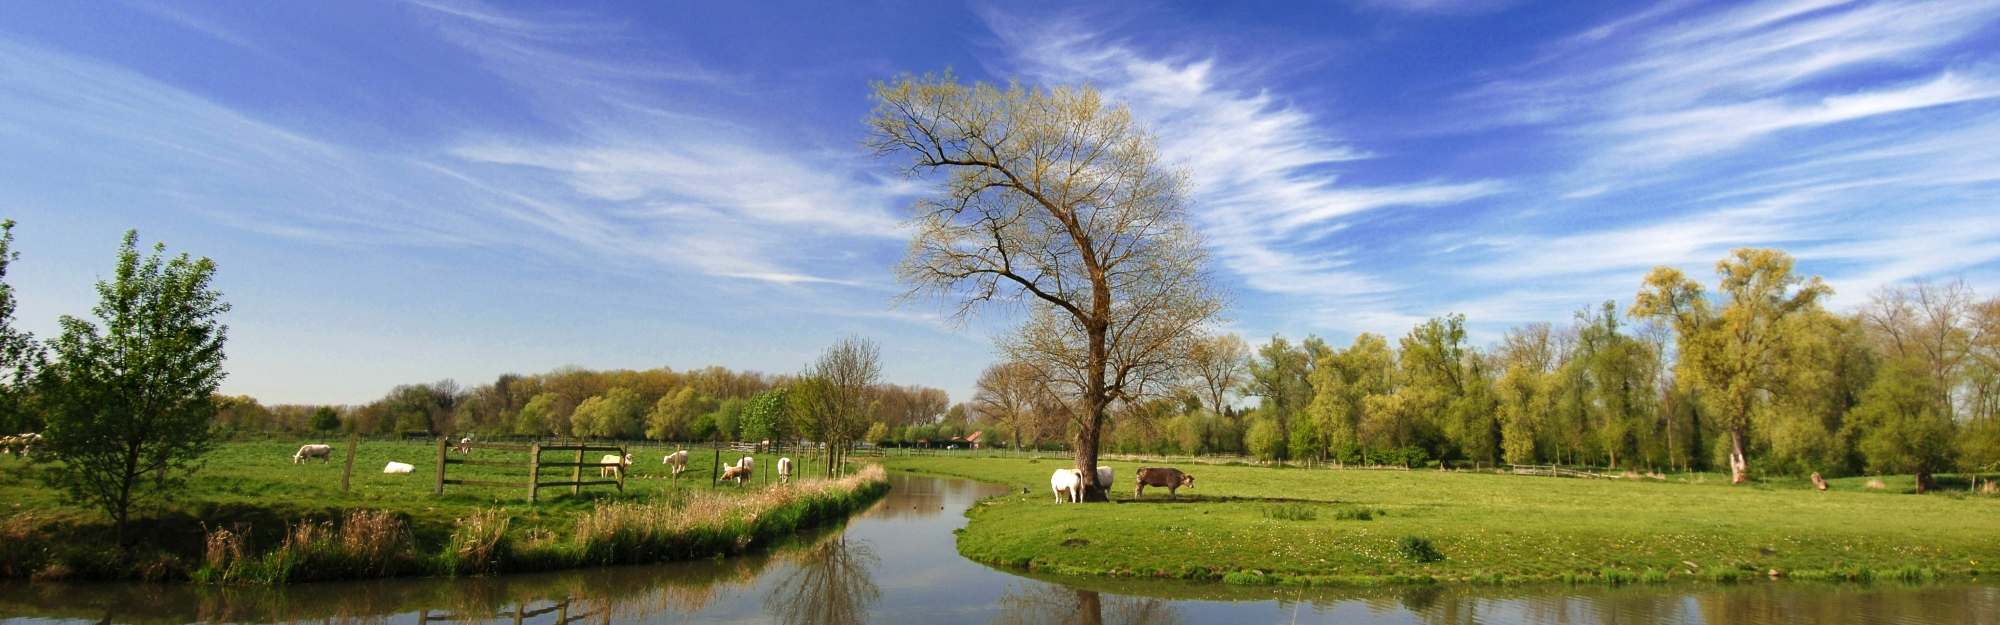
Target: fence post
{"points": [[534, 469], [353, 439], [715, 472], [623, 452], [576, 472], [442, 448]]}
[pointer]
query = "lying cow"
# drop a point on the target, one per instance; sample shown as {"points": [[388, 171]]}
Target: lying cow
{"points": [[784, 470], [613, 462], [1171, 479], [678, 461], [1068, 484], [737, 473], [398, 467], [323, 452]]}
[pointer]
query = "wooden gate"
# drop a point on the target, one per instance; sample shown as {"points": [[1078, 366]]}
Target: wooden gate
{"points": [[534, 465]]}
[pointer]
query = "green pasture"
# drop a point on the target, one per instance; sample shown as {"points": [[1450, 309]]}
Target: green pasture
{"points": [[1255, 524], [255, 487]]}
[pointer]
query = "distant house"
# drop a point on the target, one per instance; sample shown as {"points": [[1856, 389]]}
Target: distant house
{"points": [[973, 440]]}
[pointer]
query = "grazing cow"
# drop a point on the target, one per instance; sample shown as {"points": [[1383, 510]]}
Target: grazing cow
{"points": [[10, 445], [748, 465], [736, 473], [1171, 479], [784, 470], [464, 445], [323, 452], [1068, 483], [613, 462], [678, 461], [1104, 479], [398, 467]]}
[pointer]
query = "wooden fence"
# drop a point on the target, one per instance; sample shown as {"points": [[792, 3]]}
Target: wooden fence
{"points": [[534, 465], [1551, 471], [520, 614]]}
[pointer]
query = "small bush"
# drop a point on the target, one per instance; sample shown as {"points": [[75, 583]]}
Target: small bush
{"points": [[1654, 576], [1616, 577], [1248, 578], [1354, 514], [1418, 548], [1291, 512], [1912, 573]]}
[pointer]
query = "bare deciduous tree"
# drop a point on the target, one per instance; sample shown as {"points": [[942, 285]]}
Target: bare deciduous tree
{"points": [[1056, 202], [1219, 365], [836, 398]]}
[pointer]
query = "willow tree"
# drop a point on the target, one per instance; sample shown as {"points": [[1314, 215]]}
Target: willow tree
{"points": [[1057, 202], [1731, 350]]}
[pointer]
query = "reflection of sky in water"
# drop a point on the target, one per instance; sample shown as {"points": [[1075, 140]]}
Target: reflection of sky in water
{"points": [[897, 564]]}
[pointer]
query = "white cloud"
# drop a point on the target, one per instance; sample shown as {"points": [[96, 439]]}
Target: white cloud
{"points": [[1267, 185]]}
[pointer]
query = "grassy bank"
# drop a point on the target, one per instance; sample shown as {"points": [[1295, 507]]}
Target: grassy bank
{"points": [[253, 517], [1259, 525]]}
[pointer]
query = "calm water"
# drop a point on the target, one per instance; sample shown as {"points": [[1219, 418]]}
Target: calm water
{"points": [[896, 564]]}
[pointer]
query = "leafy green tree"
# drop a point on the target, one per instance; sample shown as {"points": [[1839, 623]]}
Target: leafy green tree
{"points": [[1730, 350], [615, 414], [1901, 428], [536, 418], [1280, 377], [675, 416], [131, 404], [324, 420], [765, 417], [20, 355]]}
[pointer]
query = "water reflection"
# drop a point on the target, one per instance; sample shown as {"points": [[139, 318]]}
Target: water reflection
{"points": [[1028, 604], [828, 585], [898, 564]]}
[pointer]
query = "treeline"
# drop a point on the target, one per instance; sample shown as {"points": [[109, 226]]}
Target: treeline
{"points": [[710, 403], [1754, 377]]}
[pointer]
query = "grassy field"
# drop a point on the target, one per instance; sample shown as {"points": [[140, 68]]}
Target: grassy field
{"points": [[254, 489], [1249, 524]]}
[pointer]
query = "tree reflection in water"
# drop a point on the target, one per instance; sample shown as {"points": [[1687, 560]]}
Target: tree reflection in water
{"points": [[828, 585], [1031, 603]]}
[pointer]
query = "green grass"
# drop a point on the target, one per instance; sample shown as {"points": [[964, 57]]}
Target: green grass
{"points": [[253, 490], [1486, 527]]}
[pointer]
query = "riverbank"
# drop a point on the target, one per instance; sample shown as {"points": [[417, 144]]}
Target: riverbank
{"points": [[1260, 525], [254, 518]]}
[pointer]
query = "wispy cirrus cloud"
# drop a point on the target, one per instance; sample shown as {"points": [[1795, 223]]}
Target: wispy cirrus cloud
{"points": [[1267, 174]]}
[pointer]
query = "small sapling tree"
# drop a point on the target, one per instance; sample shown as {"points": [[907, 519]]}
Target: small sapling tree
{"points": [[131, 403]]}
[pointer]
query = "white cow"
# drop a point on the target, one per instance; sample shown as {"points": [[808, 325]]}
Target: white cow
{"points": [[678, 460], [784, 470], [1068, 484], [398, 467], [464, 445], [323, 452], [748, 467], [613, 462], [1104, 479]]}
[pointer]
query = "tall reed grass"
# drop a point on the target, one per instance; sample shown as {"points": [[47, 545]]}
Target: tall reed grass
{"points": [[372, 543]]}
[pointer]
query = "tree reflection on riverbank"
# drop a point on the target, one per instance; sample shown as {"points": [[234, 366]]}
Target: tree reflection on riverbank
{"points": [[1032, 603], [828, 585]]}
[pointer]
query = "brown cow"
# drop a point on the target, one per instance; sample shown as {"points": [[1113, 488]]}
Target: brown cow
{"points": [[735, 473], [1171, 479]]}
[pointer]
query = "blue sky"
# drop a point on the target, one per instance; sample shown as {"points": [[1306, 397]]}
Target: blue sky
{"points": [[409, 191]]}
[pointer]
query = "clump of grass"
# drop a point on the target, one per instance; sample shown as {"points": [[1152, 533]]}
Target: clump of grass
{"points": [[1291, 512], [366, 544], [222, 551], [478, 545], [1248, 578], [1911, 573], [1654, 576], [1727, 575], [1418, 548], [1616, 577], [1354, 514]]}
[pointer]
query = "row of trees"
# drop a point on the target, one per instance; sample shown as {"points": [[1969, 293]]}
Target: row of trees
{"points": [[1758, 374]]}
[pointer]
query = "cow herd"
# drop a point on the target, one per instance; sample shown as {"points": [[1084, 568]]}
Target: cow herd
{"points": [[1068, 483], [20, 446], [676, 462]]}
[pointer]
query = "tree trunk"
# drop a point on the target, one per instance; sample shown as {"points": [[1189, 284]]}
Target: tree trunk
{"points": [[1739, 464], [1924, 482]]}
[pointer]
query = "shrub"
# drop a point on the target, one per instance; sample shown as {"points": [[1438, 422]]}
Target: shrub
{"points": [[1418, 548], [1290, 512]]}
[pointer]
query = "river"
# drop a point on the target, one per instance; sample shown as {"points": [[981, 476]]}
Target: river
{"points": [[897, 564]]}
